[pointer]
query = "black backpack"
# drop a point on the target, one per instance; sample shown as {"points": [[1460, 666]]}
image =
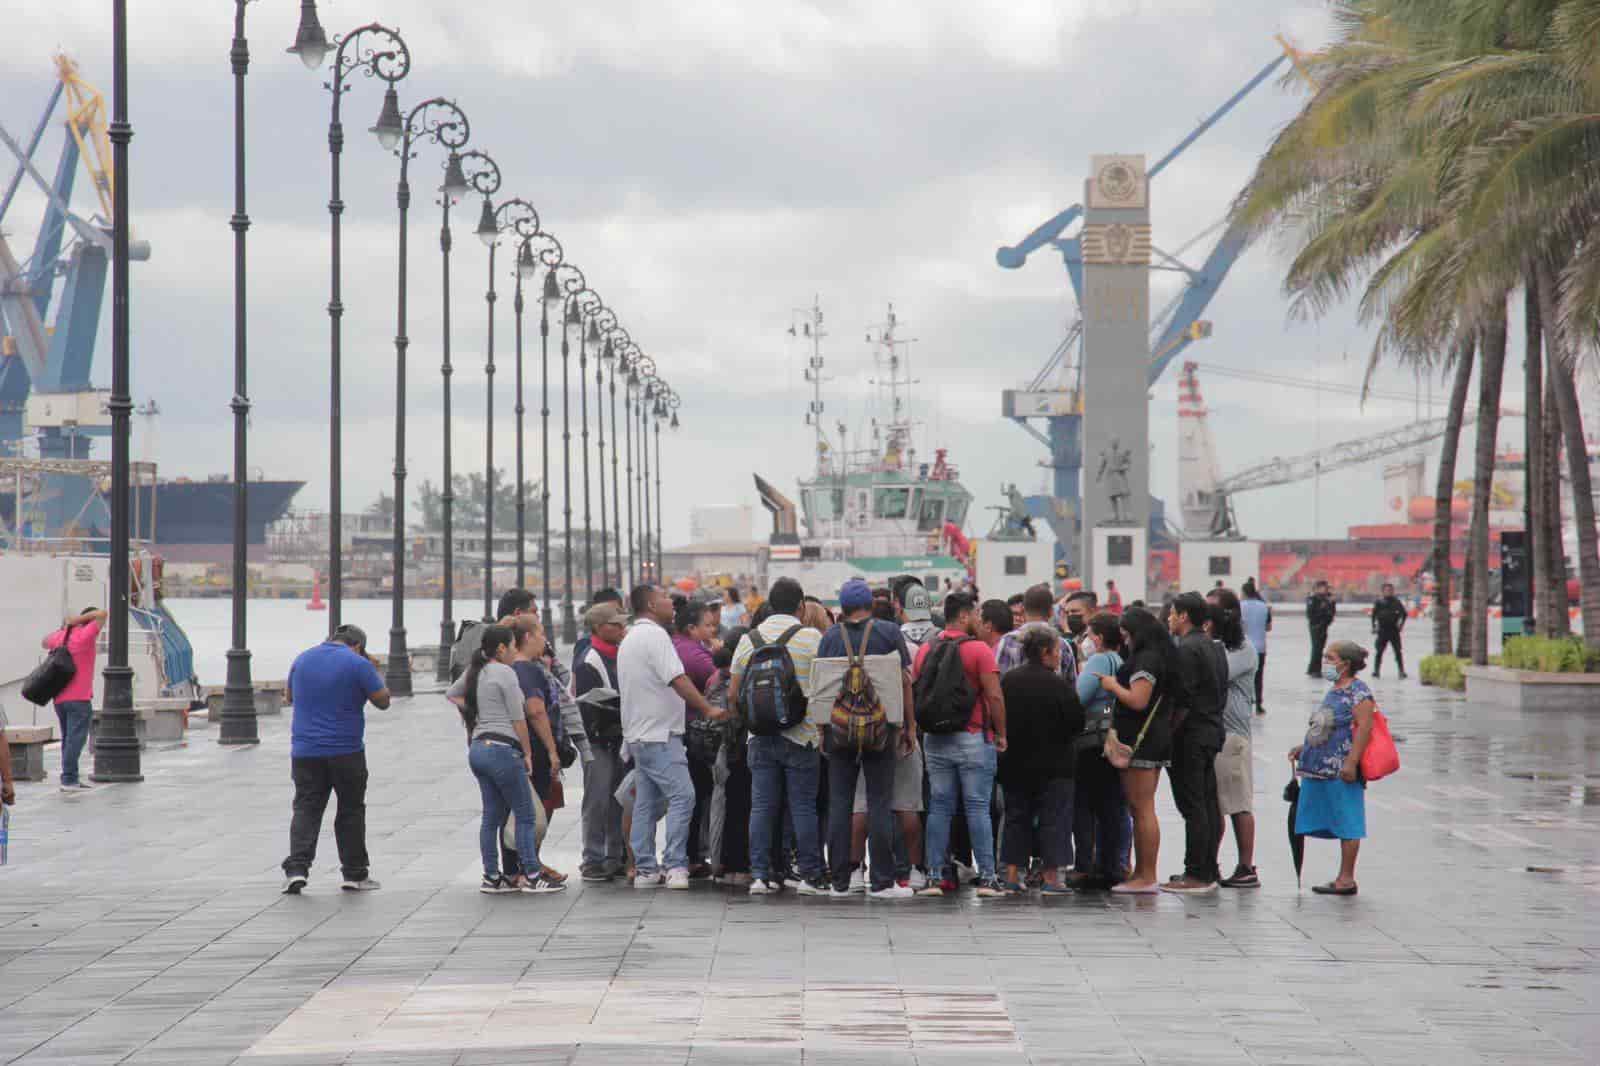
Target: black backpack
{"points": [[51, 677], [942, 694], [770, 697]]}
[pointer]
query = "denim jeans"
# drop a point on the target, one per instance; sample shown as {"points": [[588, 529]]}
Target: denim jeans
{"points": [[503, 780], [662, 779], [74, 716], [603, 842], [960, 764], [314, 780], [879, 770], [779, 766]]}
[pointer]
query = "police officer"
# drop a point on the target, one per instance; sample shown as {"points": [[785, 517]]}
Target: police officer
{"points": [[1320, 613], [1388, 619]]}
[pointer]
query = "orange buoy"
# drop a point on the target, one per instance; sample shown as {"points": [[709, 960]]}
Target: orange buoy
{"points": [[316, 603]]}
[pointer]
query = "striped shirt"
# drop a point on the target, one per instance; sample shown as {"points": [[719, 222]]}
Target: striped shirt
{"points": [[802, 650]]}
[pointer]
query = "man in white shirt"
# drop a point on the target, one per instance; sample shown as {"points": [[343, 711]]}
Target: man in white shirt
{"points": [[654, 690]]}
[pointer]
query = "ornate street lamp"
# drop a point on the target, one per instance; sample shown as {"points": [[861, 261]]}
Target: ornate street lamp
{"points": [[442, 122], [238, 724], [523, 220], [116, 750], [617, 341], [639, 366], [592, 308], [571, 282], [646, 400], [550, 256], [377, 51]]}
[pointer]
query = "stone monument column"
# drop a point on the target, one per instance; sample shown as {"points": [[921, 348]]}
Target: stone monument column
{"points": [[1116, 346]]}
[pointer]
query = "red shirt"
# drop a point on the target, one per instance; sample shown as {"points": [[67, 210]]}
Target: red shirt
{"points": [[976, 660], [82, 646]]}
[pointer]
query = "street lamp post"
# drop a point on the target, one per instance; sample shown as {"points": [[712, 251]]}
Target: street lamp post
{"points": [[606, 324], [591, 335], [639, 365], [116, 750], [238, 724], [551, 256], [616, 345], [442, 122], [518, 215], [572, 284], [447, 496], [379, 52], [646, 547], [669, 407]]}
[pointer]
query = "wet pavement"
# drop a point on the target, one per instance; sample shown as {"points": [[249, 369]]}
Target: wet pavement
{"points": [[142, 924]]}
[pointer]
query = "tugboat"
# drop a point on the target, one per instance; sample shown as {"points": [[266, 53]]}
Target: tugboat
{"points": [[876, 513]]}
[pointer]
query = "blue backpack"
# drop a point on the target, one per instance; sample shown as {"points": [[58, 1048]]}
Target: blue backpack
{"points": [[769, 690]]}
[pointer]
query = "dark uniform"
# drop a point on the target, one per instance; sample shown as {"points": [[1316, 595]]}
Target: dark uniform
{"points": [[1388, 619], [1320, 612]]}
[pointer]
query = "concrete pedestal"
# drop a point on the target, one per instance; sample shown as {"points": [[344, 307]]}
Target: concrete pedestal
{"points": [[1010, 566], [1203, 563], [1121, 554]]}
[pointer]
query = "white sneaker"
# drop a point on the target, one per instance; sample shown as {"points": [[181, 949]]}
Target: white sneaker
{"points": [[818, 887], [678, 878], [655, 880], [366, 884], [894, 891], [918, 879], [834, 893], [858, 880], [762, 887]]}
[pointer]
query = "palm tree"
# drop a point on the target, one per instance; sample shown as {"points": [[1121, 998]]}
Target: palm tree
{"points": [[1445, 493], [1450, 143]]}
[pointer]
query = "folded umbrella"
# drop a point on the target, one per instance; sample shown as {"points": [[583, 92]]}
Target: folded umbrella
{"points": [[1297, 841]]}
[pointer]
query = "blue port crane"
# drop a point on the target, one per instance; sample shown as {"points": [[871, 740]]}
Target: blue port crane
{"points": [[44, 357], [1172, 330]]}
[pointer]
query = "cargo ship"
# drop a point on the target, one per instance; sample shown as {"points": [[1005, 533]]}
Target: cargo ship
{"points": [[194, 519]]}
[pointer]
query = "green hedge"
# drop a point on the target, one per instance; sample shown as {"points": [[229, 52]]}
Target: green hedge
{"points": [[1548, 655], [1444, 671]]}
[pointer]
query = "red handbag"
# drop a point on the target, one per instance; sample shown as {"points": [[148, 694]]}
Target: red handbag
{"points": [[1381, 758]]}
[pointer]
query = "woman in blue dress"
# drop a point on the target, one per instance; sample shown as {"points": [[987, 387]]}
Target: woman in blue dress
{"points": [[1332, 802]]}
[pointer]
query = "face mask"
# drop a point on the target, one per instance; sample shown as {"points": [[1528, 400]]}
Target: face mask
{"points": [[1330, 673], [1076, 626]]}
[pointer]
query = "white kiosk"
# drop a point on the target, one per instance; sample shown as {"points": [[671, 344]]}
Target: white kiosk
{"points": [[1203, 563], [1006, 567]]}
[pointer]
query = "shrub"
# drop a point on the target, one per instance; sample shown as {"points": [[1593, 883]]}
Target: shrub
{"points": [[1548, 655], [1443, 671]]}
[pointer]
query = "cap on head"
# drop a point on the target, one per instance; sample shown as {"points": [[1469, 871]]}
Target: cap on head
{"points": [[855, 595], [603, 614], [914, 600]]}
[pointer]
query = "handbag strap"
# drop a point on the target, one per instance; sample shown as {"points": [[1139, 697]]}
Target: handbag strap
{"points": [[1147, 720]]}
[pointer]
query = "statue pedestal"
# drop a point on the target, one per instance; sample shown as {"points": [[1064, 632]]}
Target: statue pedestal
{"points": [[1121, 554], [1203, 563], [1010, 566]]}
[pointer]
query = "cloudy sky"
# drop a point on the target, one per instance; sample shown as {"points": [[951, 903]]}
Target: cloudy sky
{"points": [[711, 166]]}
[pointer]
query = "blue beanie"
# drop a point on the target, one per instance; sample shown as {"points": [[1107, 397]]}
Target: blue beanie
{"points": [[854, 595]]}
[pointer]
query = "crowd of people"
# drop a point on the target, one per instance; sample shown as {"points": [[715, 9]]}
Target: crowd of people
{"points": [[886, 748]]}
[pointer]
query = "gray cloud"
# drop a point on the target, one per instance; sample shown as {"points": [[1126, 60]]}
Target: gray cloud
{"points": [[710, 167]]}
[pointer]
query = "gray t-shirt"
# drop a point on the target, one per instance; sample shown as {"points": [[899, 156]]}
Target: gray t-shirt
{"points": [[500, 701], [1241, 704]]}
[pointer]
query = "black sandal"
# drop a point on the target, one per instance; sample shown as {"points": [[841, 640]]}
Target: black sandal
{"points": [[1333, 889]]}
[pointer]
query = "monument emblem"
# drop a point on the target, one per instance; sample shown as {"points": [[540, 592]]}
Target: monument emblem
{"points": [[1118, 183], [1115, 461], [1119, 242]]}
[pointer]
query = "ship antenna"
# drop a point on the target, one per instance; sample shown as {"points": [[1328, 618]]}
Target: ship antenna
{"points": [[807, 321]]}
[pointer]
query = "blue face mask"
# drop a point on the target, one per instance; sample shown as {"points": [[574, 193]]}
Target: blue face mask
{"points": [[1330, 673]]}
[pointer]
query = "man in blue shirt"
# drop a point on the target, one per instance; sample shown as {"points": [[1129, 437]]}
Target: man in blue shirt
{"points": [[329, 686]]}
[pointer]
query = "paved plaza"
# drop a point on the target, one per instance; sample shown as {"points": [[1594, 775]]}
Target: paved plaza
{"points": [[143, 924]]}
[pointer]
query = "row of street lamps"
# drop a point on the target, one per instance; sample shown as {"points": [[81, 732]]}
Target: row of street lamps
{"points": [[377, 51]]}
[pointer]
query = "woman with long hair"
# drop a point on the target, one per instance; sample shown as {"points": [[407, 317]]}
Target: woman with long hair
{"points": [[1333, 802], [500, 753], [1100, 828], [544, 725], [1149, 670]]}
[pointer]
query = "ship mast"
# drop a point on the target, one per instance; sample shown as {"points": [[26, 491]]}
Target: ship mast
{"points": [[807, 322], [896, 452]]}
